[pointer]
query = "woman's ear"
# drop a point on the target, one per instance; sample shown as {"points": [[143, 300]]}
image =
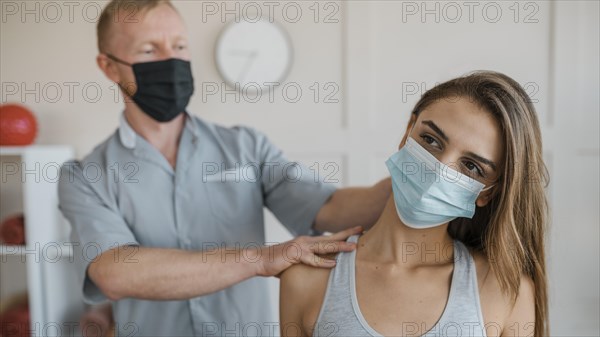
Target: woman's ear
{"points": [[409, 127], [485, 197]]}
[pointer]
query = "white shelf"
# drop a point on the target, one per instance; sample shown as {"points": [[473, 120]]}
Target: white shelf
{"points": [[49, 274], [12, 150]]}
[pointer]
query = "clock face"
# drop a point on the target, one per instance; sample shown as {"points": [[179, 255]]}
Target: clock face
{"points": [[250, 55]]}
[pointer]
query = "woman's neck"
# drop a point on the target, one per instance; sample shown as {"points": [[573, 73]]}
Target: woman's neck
{"points": [[391, 241]]}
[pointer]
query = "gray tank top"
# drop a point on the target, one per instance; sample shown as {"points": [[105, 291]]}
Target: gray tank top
{"points": [[340, 314]]}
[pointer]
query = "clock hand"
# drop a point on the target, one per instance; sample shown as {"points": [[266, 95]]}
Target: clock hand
{"points": [[250, 57]]}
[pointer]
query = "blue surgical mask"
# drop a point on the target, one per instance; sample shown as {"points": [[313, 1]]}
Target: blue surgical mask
{"points": [[428, 193]]}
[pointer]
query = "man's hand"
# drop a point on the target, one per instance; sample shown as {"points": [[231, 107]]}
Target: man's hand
{"points": [[275, 259]]}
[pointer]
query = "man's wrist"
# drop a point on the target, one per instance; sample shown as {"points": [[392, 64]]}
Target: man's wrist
{"points": [[254, 260]]}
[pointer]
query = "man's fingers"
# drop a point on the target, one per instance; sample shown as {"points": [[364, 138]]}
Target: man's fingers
{"points": [[343, 235], [309, 247], [328, 247], [317, 261]]}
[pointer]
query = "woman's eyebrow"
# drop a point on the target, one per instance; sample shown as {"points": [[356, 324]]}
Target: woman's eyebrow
{"points": [[483, 160], [437, 129], [477, 157]]}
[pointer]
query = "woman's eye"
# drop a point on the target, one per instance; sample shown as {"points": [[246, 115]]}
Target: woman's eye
{"points": [[181, 47], [148, 51], [430, 141], [473, 168]]}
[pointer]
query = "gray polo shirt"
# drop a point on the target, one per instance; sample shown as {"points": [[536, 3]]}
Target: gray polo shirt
{"points": [[126, 193]]}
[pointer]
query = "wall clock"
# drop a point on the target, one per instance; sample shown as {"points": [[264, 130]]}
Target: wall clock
{"points": [[250, 55]]}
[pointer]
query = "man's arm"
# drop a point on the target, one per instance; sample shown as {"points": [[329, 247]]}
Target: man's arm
{"points": [[173, 274], [167, 274], [123, 268], [354, 206]]}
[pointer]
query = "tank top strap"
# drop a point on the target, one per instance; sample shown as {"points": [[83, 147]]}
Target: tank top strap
{"points": [[343, 270], [462, 315], [337, 303], [464, 267]]}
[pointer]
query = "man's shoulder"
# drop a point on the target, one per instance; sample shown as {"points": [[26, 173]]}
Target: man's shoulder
{"points": [[104, 149], [96, 161], [220, 130]]}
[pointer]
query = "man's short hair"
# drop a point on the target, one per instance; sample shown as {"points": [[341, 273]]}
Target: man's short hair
{"points": [[125, 11]]}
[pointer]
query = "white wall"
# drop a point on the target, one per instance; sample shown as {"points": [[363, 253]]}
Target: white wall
{"points": [[378, 53]]}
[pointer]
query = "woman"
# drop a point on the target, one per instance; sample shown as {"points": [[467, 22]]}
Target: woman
{"points": [[459, 247]]}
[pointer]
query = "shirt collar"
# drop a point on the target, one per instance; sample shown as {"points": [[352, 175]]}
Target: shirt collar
{"points": [[128, 135]]}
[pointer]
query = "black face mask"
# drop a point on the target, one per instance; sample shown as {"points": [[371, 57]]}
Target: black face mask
{"points": [[164, 88]]}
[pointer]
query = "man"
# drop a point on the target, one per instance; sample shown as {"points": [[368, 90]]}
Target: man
{"points": [[172, 230]]}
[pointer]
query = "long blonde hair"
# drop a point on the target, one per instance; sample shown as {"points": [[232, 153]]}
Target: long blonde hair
{"points": [[510, 229]]}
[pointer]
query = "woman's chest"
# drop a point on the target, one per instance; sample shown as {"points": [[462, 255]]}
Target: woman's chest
{"points": [[402, 303]]}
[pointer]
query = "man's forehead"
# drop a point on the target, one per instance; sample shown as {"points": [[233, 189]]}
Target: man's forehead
{"points": [[153, 24]]}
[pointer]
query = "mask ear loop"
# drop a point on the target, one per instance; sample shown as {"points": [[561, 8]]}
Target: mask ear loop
{"points": [[116, 59], [487, 188]]}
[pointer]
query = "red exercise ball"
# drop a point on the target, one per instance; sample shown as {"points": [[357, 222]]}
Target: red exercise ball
{"points": [[17, 125], [12, 230]]}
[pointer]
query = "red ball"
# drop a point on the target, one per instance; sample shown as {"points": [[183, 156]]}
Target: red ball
{"points": [[12, 230], [17, 125]]}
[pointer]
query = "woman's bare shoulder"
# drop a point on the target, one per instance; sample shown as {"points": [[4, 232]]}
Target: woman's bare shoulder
{"points": [[302, 291], [488, 278], [497, 306], [303, 277], [304, 280]]}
